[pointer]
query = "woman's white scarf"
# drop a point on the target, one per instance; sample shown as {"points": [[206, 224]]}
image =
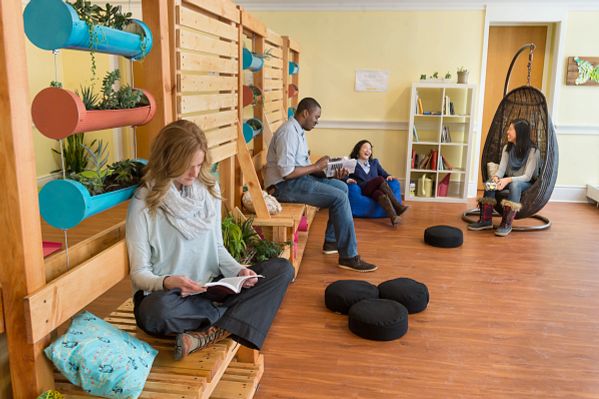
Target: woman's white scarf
{"points": [[190, 211]]}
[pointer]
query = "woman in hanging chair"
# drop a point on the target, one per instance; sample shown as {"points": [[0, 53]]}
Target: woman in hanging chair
{"points": [[518, 168]]}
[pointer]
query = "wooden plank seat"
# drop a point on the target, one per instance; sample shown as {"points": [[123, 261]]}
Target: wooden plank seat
{"points": [[213, 372]]}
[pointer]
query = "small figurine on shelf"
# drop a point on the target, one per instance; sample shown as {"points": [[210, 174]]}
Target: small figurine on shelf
{"points": [[447, 76]]}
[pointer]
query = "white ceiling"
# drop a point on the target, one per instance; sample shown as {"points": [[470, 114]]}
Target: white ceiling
{"points": [[275, 5]]}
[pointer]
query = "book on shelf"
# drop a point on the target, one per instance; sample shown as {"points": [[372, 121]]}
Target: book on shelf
{"points": [[434, 157], [424, 161], [340, 163], [229, 285], [446, 164], [420, 107], [451, 110], [413, 162], [415, 134], [445, 136]]}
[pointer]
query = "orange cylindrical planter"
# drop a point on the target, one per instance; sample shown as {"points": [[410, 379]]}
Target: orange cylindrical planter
{"points": [[248, 95], [292, 90], [58, 113]]}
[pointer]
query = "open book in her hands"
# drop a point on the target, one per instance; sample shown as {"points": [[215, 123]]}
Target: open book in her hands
{"points": [[229, 285], [340, 163]]}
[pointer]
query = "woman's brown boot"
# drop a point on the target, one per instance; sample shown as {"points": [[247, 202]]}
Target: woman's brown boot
{"points": [[399, 208], [509, 212], [386, 204]]}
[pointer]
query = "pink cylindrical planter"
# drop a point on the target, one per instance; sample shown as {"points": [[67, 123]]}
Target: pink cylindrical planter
{"points": [[292, 90], [58, 113]]}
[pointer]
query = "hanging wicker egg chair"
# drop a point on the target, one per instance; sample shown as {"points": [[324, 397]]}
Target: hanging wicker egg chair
{"points": [[525, 102]]}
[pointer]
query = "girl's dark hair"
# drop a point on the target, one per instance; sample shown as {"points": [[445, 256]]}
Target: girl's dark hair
{"points": [[523, 141], [355, 152]]}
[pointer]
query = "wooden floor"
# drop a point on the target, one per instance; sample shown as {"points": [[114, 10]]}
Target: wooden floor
{"points": [[509, 317]]}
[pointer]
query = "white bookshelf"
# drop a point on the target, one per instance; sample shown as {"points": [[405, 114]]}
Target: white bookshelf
{"points": [[431, 121]]}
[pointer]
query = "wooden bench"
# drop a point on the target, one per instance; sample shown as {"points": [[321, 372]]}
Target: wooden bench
{"points": [[219, 371]]}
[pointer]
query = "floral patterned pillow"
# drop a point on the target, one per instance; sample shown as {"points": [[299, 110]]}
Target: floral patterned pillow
{"points": [[101, 359]]}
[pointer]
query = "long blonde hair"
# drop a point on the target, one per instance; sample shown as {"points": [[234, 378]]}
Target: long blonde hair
{"points": [[170, 156]]}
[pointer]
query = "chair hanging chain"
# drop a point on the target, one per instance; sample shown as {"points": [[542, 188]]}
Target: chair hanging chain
{"points": [[530, 57]]}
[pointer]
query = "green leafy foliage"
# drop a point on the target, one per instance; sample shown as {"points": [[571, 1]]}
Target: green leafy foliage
{"points": [[123, 174], [74, 154], [245, 245], [55, 83], [124, 98], [93, 179]]}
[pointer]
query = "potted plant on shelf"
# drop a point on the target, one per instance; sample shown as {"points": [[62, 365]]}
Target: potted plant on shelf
{"points": [[462, 75], [59, 113], [55, 24], [251, 128], [244, 243], [64, 203], [251, 95]]}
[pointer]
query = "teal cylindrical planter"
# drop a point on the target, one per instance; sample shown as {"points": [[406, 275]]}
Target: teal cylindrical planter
{"points": [[66, 203], [54, 24], [290, 112], [251, 128], [252, 61], [293, 68]]}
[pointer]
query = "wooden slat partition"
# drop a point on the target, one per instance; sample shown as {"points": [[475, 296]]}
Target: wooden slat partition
{"points": [[56, 264], [207, 59], [291, 54], [59, 300], [274, 85], [1, 313]]}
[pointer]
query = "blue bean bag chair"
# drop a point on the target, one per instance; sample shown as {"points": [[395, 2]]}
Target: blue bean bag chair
{"points": [[366, 207]]}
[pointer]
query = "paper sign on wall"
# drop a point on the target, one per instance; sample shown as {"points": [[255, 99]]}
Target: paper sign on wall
{"points": [[371, 80]]}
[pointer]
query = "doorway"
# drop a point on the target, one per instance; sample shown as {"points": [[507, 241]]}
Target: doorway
{"points": [[504, 41]]}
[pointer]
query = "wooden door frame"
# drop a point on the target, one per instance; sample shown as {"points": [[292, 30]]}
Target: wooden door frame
{"points": [[513, 15]]}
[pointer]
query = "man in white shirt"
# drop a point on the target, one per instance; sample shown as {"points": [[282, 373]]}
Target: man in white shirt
{"points": [[291, 177]]}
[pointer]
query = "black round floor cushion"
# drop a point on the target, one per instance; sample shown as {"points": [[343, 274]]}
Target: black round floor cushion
{"points": [[410, 293], [443, 236], [341, 295], [378, 319]]}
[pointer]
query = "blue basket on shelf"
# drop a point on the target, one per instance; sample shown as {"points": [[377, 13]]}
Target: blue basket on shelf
{"points": [[293, 68], [251, 61], [249, 131], [54, 24]]}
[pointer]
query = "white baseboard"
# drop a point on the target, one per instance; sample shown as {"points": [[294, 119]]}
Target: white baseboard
{"points": [[569, 194]]}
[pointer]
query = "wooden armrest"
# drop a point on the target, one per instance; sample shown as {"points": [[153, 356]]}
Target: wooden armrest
{"points": [[272, 222]]}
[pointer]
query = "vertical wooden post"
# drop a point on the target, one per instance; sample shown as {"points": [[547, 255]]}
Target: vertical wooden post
{"points": [[155, 72], [286, 100], [22, 263]]}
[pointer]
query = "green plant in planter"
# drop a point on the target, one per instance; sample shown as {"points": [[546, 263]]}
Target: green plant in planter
{"points": [[124, 98], [75, 156], [448, 75], [122, 174], [255, 124], [257, 98], [245, 245], [92, 15], [93, 179]]}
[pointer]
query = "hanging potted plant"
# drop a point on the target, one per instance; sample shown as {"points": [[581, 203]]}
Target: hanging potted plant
{"points": [[251, 95], [293, 68], [54, 24], [253, 61], [64, 203], [251, 128], [292, 90], [59, 113]]}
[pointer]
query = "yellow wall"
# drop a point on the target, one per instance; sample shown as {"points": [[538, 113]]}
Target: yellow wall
{"points": [[404, 43], [579, 105], [408, 43]]}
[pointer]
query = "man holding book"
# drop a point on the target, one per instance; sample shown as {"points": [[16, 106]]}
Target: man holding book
{"points": [[290, 176]]}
